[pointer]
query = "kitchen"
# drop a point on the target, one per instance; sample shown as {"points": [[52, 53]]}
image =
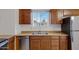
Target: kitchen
{"points": [[38, 29]]}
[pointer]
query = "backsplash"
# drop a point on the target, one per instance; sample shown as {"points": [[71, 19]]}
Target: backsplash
{"points": [[53, 27]]}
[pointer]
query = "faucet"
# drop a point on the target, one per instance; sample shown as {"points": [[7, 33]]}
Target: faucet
{"points": [[39, 32]]}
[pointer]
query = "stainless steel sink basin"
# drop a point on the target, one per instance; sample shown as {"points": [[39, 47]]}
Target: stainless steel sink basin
{"points": [[40, 33]]}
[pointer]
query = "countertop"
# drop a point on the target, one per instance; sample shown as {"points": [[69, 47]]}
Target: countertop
{"points": [[29, 33], [50, 33], [5, 36]]}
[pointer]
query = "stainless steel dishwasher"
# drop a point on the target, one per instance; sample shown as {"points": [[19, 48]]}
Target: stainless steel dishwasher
{"points": [[24, 42]]}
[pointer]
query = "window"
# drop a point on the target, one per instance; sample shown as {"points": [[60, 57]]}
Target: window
{"points": [[40, 17]]}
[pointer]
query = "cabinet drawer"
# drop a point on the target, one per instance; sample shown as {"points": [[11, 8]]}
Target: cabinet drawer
{"points": [[54, 37], [34, 37]]}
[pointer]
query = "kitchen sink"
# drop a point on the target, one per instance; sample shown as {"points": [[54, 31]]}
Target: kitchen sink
{"points": [[40, 33]]}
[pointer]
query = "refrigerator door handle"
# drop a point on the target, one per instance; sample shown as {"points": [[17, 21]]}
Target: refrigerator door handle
{"points": [[72, 39], [71, 36]]}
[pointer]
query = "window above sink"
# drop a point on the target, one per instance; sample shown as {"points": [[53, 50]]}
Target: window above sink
{"points": [[40, 17]]}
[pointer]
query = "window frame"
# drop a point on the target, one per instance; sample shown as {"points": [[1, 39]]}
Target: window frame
{"points": [[41, 10]]}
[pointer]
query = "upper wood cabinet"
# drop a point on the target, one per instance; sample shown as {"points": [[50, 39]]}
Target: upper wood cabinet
{"points": [[75, 12], [71, 12], [56, 16], [24, 16], [67, 12]]}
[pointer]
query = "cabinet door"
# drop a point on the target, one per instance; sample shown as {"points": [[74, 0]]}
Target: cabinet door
{"points": [[67, 12], [54, 16], [17, 40], [11, 42], [63, 43], [34, 43], [55, 43], [71, 12], [75, 12], [24, 16], [45, 43]]}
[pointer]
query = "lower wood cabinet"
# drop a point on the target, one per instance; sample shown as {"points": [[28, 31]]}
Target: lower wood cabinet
{"points": [[48, 43], [45, 43], [54, 44], [42, 43], [63, 43], [11, 43], [17, 44], [35, 44], [39, 43]]}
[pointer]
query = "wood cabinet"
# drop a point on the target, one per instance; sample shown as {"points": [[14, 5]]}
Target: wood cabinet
{"points": [[39, 43], [56, 15], [45, 43], [55, 19], [67, 12], [35, 44], [71, 12], [24, 16], [54, 43], [11, 43], [17, 42], [63, 43], [75, 12], [48, 43]]}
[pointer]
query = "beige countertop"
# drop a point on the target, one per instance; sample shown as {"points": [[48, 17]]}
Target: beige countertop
{"points": [[50, 33], [29, 33], [5, 36]]}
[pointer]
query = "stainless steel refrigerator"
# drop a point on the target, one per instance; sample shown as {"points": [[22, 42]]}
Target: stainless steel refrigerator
{"points": [[71, 27], [75, 32]]}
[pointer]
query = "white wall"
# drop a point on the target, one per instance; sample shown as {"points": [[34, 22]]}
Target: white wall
{"points": [[17, 26], [7, 21]]}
